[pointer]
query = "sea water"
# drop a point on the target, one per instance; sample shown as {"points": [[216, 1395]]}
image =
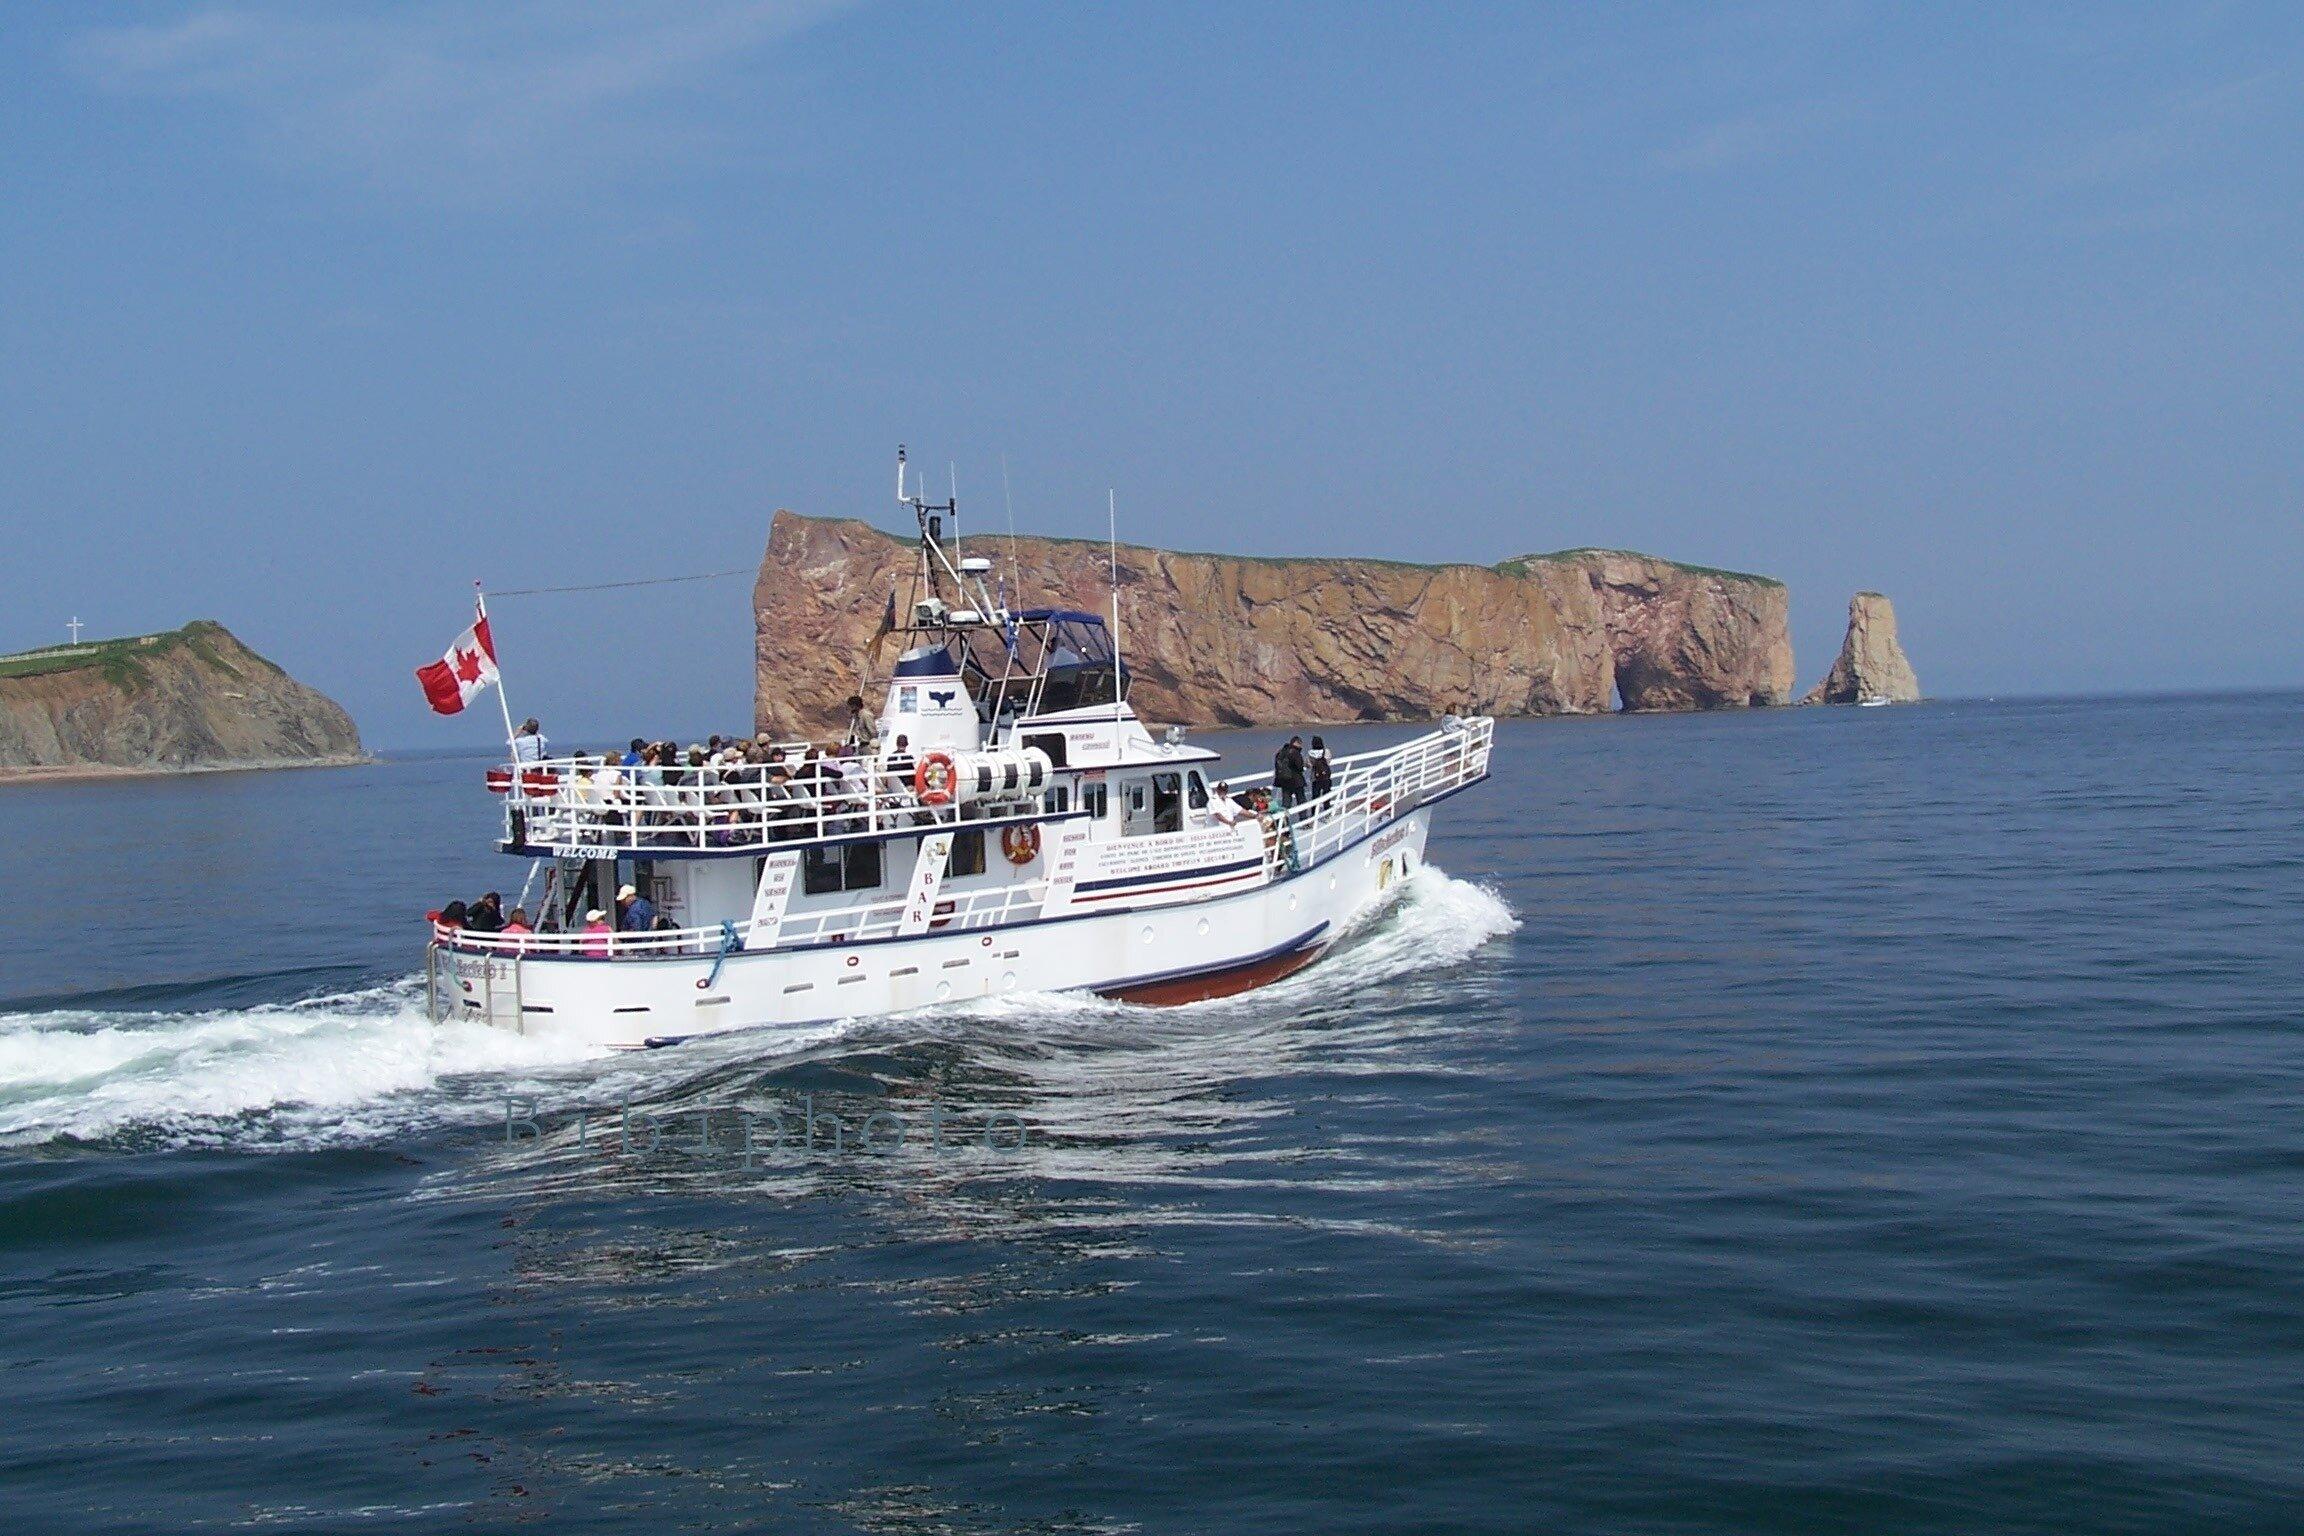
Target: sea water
{"points": [[1790, 1120]]}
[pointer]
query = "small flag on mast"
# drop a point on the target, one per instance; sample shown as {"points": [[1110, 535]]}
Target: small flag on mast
{"points": [[457, 678]]}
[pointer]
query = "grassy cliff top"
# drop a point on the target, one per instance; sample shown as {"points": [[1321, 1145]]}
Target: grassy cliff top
{"points": [[1517, 566], [121, 660]]}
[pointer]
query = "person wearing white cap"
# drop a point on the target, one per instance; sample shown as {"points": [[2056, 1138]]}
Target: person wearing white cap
{"points": [[597, 933], [635, 913]]}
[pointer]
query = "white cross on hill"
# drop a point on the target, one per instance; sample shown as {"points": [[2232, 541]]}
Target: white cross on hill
{"points": [[74, 626]]}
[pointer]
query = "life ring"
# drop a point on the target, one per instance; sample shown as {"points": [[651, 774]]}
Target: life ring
{"points": [[934, 778], [1021, 842]]}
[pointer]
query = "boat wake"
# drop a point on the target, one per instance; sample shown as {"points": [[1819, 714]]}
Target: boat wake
{"points": [[364, 1067]]}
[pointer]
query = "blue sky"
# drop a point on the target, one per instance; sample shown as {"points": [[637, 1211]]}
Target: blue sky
{"points": [[309, 315]]}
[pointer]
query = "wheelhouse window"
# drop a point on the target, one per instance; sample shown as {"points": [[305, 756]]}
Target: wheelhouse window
{"points": [[1195, 791]]}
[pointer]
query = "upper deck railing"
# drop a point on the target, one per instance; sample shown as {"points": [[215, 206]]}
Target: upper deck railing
{"points": [[1371, 788], [596, 808]]}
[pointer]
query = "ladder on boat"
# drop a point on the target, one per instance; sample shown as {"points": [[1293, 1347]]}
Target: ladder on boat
{"points": [[478, 988]]}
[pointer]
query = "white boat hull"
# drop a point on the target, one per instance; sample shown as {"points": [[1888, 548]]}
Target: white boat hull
{"points": [[1171, 953]]}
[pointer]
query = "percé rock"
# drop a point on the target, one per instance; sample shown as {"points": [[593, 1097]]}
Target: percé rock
{"points": [[1871, 664], [190, 698], [1233, 640]]}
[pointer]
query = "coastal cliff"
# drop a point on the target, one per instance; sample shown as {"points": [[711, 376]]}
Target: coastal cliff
{"points": [[1872, 663], [1232, 640], [190, 698]]}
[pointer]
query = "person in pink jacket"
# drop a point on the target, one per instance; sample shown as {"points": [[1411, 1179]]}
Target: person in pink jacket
{"points": [[597, 933]]}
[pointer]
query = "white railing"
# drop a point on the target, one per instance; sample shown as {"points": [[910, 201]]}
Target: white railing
{"points": [[1369, 789], [987, 908], [592, 808]]}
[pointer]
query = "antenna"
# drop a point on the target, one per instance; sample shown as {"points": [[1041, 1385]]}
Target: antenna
{"points": [[1009, 497], [1112, 533]]}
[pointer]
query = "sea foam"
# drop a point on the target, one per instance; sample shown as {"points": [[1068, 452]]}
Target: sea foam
{"points": [[361, 1067]]}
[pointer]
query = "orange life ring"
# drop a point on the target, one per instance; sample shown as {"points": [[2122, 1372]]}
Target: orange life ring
{"points": [[1021, 842], [934, 778]]}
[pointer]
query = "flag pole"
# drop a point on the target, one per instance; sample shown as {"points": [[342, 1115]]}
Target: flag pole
{"points": [[511, 751]]}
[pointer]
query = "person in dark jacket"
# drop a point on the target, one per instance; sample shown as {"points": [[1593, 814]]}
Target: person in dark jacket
{"points": [[635, 913], [1288, 772], [1323, 772], [486, 915]]}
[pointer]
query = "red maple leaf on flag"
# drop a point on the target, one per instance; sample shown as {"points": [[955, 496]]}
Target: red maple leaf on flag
{"points": [[468, 666]]}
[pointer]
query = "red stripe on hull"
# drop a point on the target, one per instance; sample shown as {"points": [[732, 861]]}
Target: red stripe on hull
{"points": [[1198, 989]]}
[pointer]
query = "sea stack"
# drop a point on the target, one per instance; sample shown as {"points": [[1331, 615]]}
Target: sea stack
{"points": [[185, 699], [1871, 664]]}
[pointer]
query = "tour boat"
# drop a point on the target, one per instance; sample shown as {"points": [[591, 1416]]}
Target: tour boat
{"points": [[1014, 828]]}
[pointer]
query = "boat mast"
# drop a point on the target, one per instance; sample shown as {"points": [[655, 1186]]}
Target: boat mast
{"points": [[1112, 537]]}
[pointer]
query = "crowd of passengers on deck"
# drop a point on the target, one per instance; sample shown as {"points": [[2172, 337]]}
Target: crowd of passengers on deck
{"points": [[738, 791], [635, 913], [734, 791]]}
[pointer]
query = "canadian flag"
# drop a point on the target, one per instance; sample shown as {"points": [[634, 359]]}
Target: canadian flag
{"points": [[457, 678]]}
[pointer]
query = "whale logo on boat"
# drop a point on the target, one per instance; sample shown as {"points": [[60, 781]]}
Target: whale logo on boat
{"points": [[941, 698]]}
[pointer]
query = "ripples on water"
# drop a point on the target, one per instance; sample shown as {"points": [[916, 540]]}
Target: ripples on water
{"points": [[1803, 1120]]}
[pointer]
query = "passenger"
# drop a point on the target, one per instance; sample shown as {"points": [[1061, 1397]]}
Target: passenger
{"points": [[518, 922], [451, 917], [598, 936], [863, 731], [779, 808], [633, 755], [1288, 772], [486, 915], [1323, 772], [610, 782], [529, 745], [1223, 807], [635, 913]]}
